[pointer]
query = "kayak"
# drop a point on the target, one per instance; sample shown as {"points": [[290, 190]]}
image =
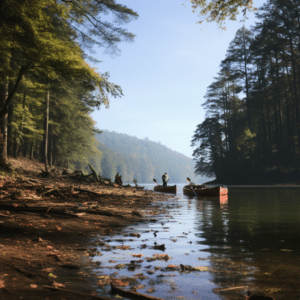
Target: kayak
{"points": [[206, 191], [168, 189]]}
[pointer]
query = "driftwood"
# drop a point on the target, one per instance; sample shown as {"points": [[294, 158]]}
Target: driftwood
{"points": [[54, 192], [72, 211], [87, 191], [38, 209], [100, 212], [70, 266], [94, 173], [23, 271], [88, 296], [218, 290], [27, 273], [130, 294]]}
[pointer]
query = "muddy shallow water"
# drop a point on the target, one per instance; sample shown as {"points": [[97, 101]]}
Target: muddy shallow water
{"points": [[227, 247]]}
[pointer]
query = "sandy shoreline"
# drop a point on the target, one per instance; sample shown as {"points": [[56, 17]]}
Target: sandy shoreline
{"points": [[47, 227]]}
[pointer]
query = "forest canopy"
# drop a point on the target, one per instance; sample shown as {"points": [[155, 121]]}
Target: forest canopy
{"points": [[218, 11], [47, 87], [252, 118]]}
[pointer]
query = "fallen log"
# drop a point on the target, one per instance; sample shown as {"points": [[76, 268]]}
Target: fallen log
{"points": [[88, 296], [54, 192], [218, 290], [130, 294], [94, 173], [23, 271], [87, 191], [70, 266], [14, 186], [39, 209], [27, 273], [100, 212], [67, 211]]}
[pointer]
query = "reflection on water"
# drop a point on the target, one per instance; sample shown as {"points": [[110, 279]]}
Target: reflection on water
{"points": [[248, 241]]}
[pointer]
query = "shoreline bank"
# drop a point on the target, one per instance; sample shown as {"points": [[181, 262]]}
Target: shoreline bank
{"points": [[49, 227]]}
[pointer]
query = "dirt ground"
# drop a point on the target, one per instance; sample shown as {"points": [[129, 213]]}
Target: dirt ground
{"points": [[49, 226]]}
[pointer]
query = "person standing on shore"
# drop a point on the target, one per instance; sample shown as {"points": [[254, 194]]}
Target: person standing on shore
{"points": [[117, 178], [165, 179]]}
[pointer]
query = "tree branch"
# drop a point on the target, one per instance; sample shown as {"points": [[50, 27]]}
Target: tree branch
{"points": [[9, 99]]}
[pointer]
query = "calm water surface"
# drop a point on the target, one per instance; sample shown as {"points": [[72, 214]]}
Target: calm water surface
{"points": [[250, 242]]}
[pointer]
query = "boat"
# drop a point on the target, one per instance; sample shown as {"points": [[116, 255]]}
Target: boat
{"points": [[205, 191], [166, 189]]}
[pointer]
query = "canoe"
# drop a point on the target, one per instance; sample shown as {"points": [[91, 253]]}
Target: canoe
{"points": [[208, 191], [168, 189]]}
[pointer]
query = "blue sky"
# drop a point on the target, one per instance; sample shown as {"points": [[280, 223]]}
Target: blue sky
{"points": [[165, 72]]}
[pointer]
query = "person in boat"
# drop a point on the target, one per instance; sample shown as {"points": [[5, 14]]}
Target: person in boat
{"points": [[165, 179], [117, 178], [190, 182]]}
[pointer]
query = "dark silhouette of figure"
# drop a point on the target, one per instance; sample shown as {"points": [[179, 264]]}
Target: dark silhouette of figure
{"points": [[165, 179], [117, 178]]}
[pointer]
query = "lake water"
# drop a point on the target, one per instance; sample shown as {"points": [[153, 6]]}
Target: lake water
{"points": [[249, 242]]}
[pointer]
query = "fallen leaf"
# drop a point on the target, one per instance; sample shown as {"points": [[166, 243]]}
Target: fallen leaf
{"points": [[48, 270], [2, 285], [123, 247], [120, 266], [119, 282], [52, 275], [151, 290], [172, 267], [135, 234], [58, 285]]}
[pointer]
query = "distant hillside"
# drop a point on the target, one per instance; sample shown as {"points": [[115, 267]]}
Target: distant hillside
{"points": [[142, 159]]}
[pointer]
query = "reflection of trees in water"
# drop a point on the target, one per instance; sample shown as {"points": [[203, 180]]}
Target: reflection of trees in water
{"points": [[254, 243]]}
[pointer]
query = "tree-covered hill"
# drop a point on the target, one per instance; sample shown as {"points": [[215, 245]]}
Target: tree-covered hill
{"points": [[141, 159]]}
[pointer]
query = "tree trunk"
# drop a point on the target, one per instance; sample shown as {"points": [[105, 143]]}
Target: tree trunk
{"points": [[247, 83], [31, 150], [2, 2], [10, 113], [3, 128], [9, 98], [290, 138], [50, 148], [25, 147], [274, 98], [296, 103], [47, 129], [281, 139]]}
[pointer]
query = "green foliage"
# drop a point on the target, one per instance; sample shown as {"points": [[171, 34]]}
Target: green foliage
{"points": [[42, 53], [219, 11], [246, 143], [252, 107]]}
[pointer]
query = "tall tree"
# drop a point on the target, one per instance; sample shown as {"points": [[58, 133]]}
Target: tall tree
{"points": [[219, 11]]}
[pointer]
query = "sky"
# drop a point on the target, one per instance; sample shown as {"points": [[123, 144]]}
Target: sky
{"points": [[165, 72]]}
